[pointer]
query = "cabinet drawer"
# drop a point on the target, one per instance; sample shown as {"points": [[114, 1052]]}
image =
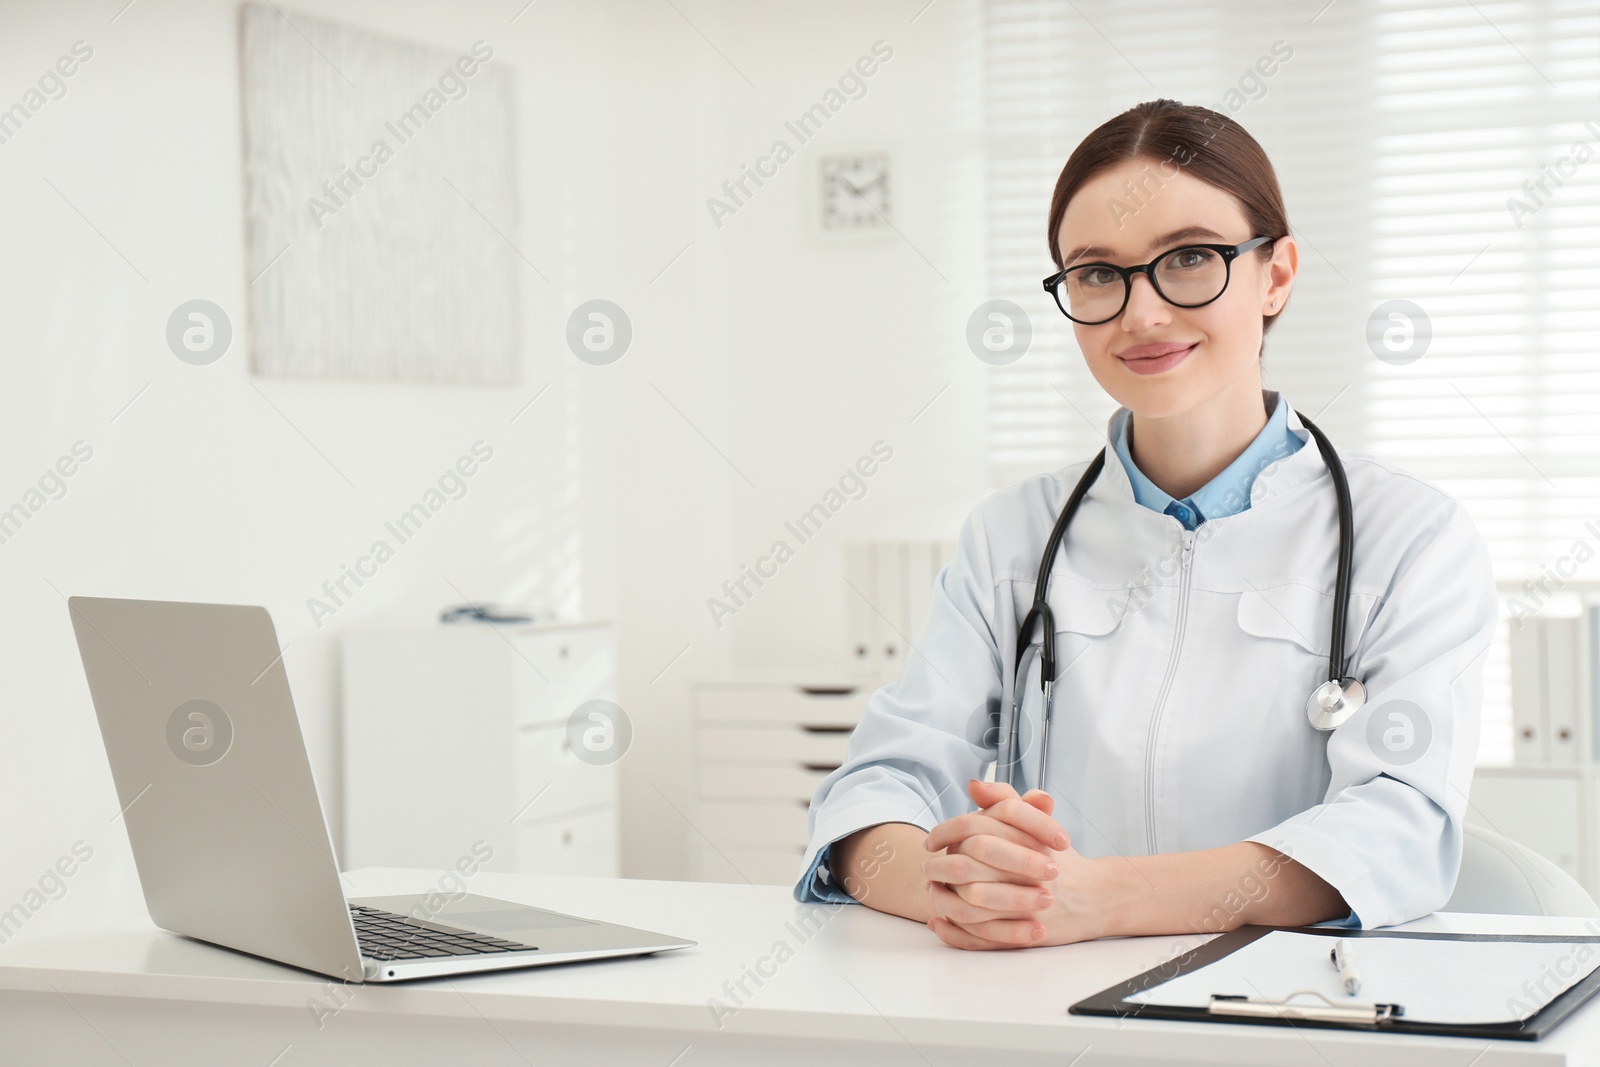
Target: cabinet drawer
{"points": [[766, 866], [586, 844], [811, 706], [774, 824], [793, 744], [572, 666], [544, 761], [734, 780]]}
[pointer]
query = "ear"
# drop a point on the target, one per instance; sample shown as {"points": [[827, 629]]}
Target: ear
{"points": [[1281, 271]]}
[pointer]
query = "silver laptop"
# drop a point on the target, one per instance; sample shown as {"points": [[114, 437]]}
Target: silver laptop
{"points": [[228, 834]]}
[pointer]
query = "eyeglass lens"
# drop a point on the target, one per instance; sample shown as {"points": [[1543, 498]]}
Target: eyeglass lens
{"points": [[1185, 276]]}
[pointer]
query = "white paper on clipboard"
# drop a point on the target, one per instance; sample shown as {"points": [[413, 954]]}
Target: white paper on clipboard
{"points": [[1435, 980]]}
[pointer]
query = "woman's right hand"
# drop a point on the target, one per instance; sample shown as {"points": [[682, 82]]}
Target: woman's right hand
{"points": [[997, 862]]}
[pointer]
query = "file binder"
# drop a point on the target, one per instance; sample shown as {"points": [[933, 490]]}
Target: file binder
{"points": [[1315, 1009]]}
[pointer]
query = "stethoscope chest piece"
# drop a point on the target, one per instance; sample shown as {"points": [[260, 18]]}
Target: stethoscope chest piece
{"points": [[1332, 703]]}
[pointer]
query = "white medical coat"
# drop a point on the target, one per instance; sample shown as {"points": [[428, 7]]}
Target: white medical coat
{"points": [[1184, 662]]}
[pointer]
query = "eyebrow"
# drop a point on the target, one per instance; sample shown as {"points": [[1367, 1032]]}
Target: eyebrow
{"points": [[1185, 234]]}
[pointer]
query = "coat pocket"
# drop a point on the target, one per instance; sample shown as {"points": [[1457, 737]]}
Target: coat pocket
{"points": [[1087, 618], [1302, 615], [1082, 608]]}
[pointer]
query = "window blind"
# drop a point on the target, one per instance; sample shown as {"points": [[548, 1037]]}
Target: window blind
{"points": [[1442, 154]]}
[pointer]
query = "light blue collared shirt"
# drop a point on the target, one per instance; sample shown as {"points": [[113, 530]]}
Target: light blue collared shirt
{"points": [[1226, 494], [1229, 492]]}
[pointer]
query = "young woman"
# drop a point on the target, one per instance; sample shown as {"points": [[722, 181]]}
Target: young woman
{"points": [[1216, 751]]}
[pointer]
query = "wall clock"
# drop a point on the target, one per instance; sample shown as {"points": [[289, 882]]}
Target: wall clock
{"points": [[855, 192]]}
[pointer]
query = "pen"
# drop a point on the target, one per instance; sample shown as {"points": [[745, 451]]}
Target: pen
{"points": [[1340, 955]]}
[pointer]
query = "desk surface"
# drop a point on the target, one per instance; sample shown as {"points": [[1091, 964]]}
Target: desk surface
{"points": [[853, 975]]}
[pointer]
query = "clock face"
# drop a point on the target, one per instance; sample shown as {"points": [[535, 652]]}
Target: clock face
{"points": [[855, 191]]}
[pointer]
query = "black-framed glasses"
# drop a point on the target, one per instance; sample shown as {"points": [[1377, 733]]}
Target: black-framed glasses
{"points": [[1189, 276]]}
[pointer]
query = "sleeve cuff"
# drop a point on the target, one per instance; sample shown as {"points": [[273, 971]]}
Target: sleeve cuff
{"points": [[1330, 859], [876, 795], [816, 885]]}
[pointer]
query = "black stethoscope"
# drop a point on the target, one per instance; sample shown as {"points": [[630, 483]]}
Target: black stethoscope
{"points": [[1330, 705]]}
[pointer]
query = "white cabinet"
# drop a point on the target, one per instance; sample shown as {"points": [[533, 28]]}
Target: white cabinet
{"points": [[576, 844], [760, 748], [1549, 799], [459, 733], [1552, 810]]}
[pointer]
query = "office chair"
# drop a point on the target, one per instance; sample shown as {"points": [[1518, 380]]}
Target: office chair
{"points": [[1499, 875]]}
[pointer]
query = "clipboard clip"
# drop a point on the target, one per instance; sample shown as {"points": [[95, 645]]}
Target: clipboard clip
{"points": [[1226, 1004]]}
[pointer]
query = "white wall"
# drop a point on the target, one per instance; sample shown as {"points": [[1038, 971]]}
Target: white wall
{"points": [[764, 347], [805, 352]]}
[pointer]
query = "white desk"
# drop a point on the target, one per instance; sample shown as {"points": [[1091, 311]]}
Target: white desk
{"points": [[865, 988]]}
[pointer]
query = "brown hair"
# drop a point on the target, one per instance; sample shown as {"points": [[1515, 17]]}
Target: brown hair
{"points": [[1208, 145]]}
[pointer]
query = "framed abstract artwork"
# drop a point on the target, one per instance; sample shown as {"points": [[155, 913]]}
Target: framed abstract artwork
{"points": [[381, 205]]}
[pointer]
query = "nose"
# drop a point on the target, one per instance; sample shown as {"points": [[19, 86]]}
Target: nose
{"points": [[1145, 306]]}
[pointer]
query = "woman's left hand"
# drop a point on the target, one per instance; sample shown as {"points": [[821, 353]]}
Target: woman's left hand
{"points": [[1081, 896]]}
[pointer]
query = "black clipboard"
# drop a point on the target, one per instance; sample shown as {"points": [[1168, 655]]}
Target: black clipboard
{"points": [[1113, 1001]]}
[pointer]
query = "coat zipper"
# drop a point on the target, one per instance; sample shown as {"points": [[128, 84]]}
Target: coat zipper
{"points": [[1161, 698]]}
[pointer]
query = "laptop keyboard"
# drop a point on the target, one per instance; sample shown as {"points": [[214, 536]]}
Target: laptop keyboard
{"points": [[384, 935]]}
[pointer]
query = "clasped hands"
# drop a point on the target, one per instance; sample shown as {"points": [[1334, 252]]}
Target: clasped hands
{"points": [[1006, 876]]}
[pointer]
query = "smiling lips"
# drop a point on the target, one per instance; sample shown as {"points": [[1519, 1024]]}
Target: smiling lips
{"points": [[1156, 357]]}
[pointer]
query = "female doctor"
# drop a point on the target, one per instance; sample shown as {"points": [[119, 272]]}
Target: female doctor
{"points": [[1204, 764]]}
